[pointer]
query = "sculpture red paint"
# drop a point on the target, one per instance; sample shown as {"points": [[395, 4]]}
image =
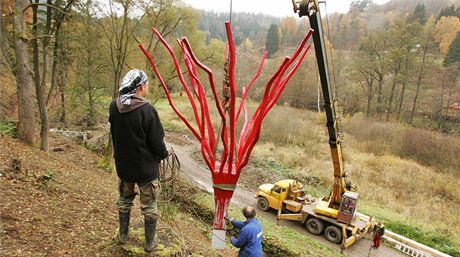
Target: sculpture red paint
{"points": [[236, 151]]}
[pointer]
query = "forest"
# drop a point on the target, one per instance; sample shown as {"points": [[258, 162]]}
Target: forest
{"points": [[396, 61], [395, 72]]}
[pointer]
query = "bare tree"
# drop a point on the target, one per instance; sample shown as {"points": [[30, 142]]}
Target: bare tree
{"points": [[91, 64], [118, 28], [41, 69], [426, 44]]}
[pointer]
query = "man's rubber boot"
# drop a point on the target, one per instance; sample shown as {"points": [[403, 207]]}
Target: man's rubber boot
{"points": [[150, 225], [124, 226]]}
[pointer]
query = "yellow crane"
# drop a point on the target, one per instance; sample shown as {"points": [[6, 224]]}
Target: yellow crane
{"points": [[335, 214]]}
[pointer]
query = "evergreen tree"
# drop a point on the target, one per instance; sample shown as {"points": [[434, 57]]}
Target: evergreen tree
{"points": [[419, 14], [273, 40], [449, 11], [454, 52], [361, 5]]}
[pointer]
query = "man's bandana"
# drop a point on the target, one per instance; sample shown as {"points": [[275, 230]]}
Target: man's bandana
{"points": [[130, 82]]}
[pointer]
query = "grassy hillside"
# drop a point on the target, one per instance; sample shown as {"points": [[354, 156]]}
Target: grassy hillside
{"points": [[396, 182]]}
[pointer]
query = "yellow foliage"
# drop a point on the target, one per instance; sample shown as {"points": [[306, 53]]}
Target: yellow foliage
{"points": [[288, 26], [247, 44], [445, 31]]}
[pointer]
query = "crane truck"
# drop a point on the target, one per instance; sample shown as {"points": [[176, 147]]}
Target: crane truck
{"points": [[335, 215]]}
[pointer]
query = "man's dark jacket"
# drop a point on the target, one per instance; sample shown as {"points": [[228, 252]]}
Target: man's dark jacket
{"points": [[137, 136]]}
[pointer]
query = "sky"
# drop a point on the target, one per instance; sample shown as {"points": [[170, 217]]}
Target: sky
{"points": [[278, 8]]}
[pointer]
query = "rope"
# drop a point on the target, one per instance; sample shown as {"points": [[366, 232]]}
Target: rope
{"points": [[197, 215], [169, 169]]}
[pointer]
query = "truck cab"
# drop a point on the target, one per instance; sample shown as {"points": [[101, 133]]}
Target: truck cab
{"points": [[285, 193]]}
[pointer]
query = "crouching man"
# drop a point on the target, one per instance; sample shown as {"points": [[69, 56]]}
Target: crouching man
{"points": [[249, 239]]}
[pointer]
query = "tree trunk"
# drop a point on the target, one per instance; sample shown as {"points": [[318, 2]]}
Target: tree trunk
{"points": [[24, 82], [379, 94], [401, 98], [392, 93], [61, 81], [419, 83], [403, 87], [38, 86], [370, 95], [55, 65], [89, 69], [62, 119]]}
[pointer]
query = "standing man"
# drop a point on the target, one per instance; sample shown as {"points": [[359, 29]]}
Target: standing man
{"points": [[378, 234], [138, 145], [250, 236]]}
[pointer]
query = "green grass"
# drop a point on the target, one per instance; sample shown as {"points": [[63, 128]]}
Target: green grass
{"points": [[273, 166], [423, 233], [431, 238]]}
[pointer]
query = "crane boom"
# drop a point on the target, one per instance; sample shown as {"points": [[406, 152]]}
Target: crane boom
{"points": [[311, 9]]}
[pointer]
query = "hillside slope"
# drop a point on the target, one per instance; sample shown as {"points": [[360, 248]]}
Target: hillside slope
{"points": [[61, 204]]}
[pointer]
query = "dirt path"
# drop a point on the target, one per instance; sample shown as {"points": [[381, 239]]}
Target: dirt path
{"points": [[242, 197]]}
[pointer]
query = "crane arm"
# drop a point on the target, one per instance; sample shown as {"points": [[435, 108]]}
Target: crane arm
{"points": [[310, 8]]}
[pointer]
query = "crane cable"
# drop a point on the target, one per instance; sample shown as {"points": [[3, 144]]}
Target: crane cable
{"points": [[330, 42], [231, 4], [335, 98]]}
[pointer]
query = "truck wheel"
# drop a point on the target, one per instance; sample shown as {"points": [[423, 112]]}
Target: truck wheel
{"points": [[262, 204], [314, 226], [333, 234]]}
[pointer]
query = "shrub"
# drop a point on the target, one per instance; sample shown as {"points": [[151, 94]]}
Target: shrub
{"points": [[425, 147], [8, 129], [428, 148]]}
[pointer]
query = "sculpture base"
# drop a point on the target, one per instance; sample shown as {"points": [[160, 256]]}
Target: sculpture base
{"points": [[218, 239]]}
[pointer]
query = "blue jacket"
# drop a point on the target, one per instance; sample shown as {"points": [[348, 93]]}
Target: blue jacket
{"points": [[249, 239]]}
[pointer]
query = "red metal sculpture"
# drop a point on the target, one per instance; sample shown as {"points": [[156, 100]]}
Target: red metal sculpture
{"points": [[235, 154]]}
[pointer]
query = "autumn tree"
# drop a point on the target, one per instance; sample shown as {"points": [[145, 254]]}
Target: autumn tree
{"points": [[44, 28], [425, 45], [91, 64], [288, 28], [404, 39], [272, 42], [370, 66], [453, 55], [118, 27], [445, 31], [168, 18]]}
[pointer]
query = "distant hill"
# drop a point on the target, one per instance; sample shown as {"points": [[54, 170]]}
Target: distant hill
{"points": [[244, 25], [255, 26], [405, 6]]}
